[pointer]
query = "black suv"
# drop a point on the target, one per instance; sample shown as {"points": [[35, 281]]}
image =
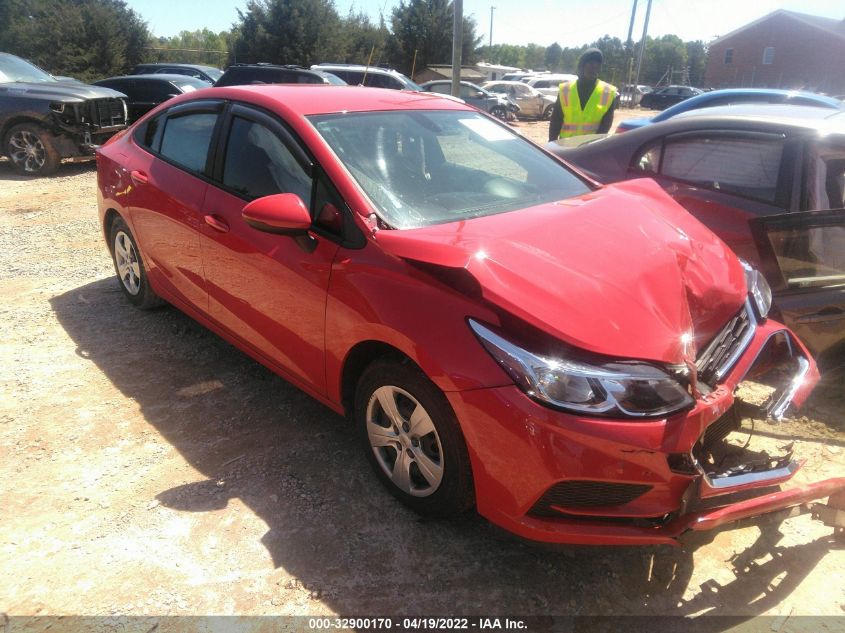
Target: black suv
{"points": [[246, 74], [43, 120], [206, 73]]}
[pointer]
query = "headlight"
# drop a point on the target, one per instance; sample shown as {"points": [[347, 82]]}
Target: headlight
{"points": [[758, 288], [628, 389]]}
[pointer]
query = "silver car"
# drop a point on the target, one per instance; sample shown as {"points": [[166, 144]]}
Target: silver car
{"points": [[531, 102]]}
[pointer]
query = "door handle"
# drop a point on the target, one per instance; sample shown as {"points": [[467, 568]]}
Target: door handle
{"points": [[217, 223], [138, 177], [823, 316]]}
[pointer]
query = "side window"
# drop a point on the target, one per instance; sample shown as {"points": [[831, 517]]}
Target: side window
{"points": [[442, 89], [543, 84], [468, 92], [382, 81], [156, 90], [747, 167], [648, 160], [148, 135], [825, 178], [186, 139], [355, 78], [258, 164]]}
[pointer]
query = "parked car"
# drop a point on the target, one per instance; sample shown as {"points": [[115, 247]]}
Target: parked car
{"points": [[764, 178], [662, 98], [736, 96], [549, 84], [496, 104], [531, 102], [144, 92], [246, 74], [209, 74], [373, 76], [631, 94], [43, 120], [504, 333]]}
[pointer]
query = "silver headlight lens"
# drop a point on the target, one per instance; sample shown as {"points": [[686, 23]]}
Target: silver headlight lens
{"points": [[624, 389], [758, 288]]}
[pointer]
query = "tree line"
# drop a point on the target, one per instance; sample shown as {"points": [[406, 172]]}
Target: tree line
{"points": [[92, 39]]}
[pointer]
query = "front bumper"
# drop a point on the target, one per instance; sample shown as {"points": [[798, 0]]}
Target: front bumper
{"points": [[555, 477]]}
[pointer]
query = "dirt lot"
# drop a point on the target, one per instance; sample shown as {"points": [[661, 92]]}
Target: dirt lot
{"points": [[149, 468]]}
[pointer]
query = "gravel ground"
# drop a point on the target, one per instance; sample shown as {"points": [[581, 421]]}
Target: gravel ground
{"points": [[149, 468]]}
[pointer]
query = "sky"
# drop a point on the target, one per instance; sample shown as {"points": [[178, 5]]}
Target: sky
{"points": [[567, 22]]}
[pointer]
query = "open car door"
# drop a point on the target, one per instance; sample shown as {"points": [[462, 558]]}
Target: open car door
{"points": [[803, 258]]}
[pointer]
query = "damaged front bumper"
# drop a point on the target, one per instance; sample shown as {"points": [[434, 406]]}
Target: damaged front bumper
{"points": [[571, 479]]}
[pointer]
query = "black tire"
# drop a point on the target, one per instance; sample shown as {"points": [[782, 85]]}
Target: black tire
{"points": [[547, 113], [129, 267], [500, 113], [445, 446], [30, 150]]}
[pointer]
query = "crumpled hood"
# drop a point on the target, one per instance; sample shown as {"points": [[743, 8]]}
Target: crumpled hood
{"points": [[622, 271], [57, 90]]}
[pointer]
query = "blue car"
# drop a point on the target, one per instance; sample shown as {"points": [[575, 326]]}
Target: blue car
{"points": [[733, 96]]}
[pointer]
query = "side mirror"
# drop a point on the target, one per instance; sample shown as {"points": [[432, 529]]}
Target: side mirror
{"points": [[283, 214]]}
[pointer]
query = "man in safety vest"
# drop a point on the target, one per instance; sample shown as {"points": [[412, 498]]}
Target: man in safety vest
{"points": [[584, 106]]}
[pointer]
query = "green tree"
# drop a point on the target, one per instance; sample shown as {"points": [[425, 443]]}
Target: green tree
{"points": [[198, 47], [665, 59], [86, 39], [364, 41], [288, 32], [553, 57], [423, 29], [696, 61]]}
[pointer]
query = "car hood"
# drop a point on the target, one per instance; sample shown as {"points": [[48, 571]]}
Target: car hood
{"points": [[58, 90], [622, 271]]}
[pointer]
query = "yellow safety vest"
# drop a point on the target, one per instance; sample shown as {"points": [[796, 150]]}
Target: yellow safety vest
{"points": [[578, 121]]}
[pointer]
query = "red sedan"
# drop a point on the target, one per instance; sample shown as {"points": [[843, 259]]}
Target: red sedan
{"points": [[505, 334]]}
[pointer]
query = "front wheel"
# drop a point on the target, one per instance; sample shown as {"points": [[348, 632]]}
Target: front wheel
{"points": [[500, 113], [412, 439], [30, 151]]}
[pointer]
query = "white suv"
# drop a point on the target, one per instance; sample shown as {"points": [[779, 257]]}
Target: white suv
{"points": [[373, 76], [548, 84]]}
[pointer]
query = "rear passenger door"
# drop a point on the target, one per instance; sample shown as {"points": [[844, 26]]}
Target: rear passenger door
{"points": [[169, 182], [724, 178]]}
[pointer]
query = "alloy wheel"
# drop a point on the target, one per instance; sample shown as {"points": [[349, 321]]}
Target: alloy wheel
{"points": [[27, 151], [126, 260], [404, 441]]}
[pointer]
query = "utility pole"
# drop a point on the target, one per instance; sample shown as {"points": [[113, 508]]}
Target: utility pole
{"points": [[457, 43], [629, 50], [492, 8], [642, 43]]}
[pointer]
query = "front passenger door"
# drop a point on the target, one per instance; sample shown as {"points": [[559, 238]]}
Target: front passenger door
{"points": [[268, 290]]}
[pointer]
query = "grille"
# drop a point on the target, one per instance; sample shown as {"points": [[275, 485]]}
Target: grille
{"points": [[107, 112], [586, 494], [722, 351]]}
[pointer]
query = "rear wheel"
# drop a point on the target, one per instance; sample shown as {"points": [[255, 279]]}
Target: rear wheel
{"points": [[130, 267], [30, 151], [412, 439], [547, 113]]}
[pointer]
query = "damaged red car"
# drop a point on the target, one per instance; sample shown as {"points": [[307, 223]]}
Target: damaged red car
{"points": [[568, 359]]}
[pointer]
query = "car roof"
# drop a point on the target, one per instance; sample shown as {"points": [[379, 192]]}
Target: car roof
{"points": [[800, 115], [168, 77], [774, 92], [370, 69], [176, 65], [310, 99]]}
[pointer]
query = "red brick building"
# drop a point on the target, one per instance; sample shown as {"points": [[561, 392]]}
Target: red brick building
{"points": [[783, 49]]}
